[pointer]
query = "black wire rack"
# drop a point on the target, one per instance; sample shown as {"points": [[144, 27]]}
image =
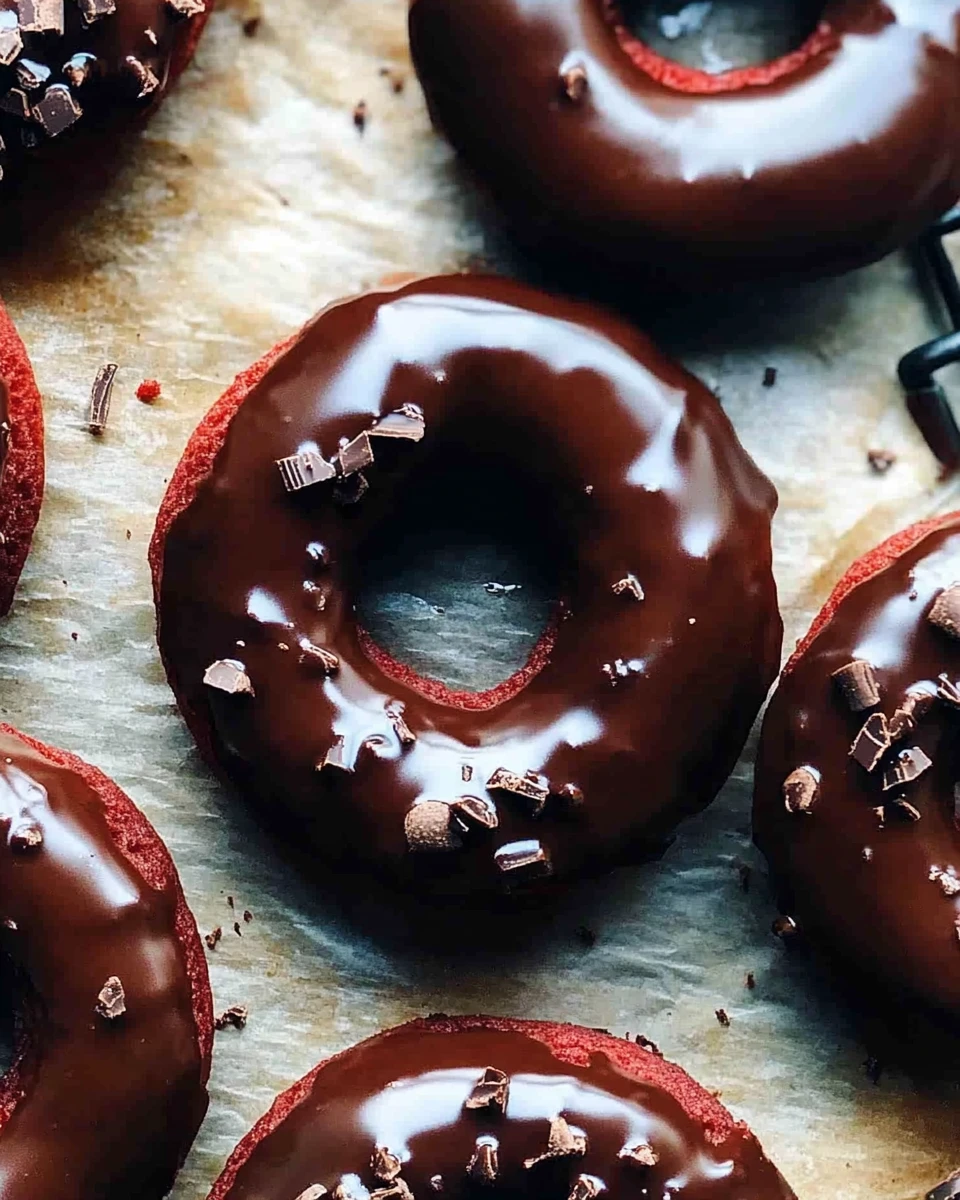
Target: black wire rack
{"points": [[926, 399]]}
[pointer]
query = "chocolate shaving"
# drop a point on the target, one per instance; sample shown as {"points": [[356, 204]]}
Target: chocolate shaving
{"points": [[31, 75], [11, 41], [910, 765], [404, 422], [41, 16], [336, 758], [947, 691], [530, 786], [484, 1166], [913, 708], [355, 455], [801, 790], [631, 584], [100, 395], [563, 1142], [723, 1017], [144, 78], [300, 471], [473, 813], [945, 613], [640, 1155], [949, 1189], [385, 1165], [26, 836], [491, 1091], [880, 461], [96, 10], [56, 112], [187, 8], [313, 1192], [872, 742], [525, 859], [111, 1002], [575, 84], [230, 676], [316, 656], [584, 1188], [404, 733], [213, 937], [858, 685], [429, 828], [234, 1017]]}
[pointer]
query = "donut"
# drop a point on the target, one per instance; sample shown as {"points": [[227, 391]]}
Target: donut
{"points": [[473, 391], [21, 457], [462, 1106], [596, 147], [114, 1025], [857, 800]]}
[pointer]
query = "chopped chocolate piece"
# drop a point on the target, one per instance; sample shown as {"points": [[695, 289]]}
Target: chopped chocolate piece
{"points": [[230, 902], [949, 883], [11, 41], [251, 26], [642, 1154], [858, 685], [801, 789], [230, 676], [914, 708], [31, 75], [57, 111], [571, 795], [96, 10], [948, 1190], [751, 981], [575, 84], [584, 1188], [910, 765], [100, 395], [350, 1191], [236, 929], [351, 489], [905, 809], [360, 112], [314, 1192], [213, 937], [397, 1190], [784, 928], [336, 758], [491, 1091], [188, 8], [526, 860], [473, 813], [144, 79], [723, 1017], [404, 422], [563, 1142], [16, 104], [304, 470], [530, 786], [484, 1166], [429, 828], [247, 916], [631, 584], [26, 836], [646, 1044], [385, 1165], [41, 16], [945, 613], [312, 655], [769, 377], [77, 71], [111, 1002], [466, 772], [233, 1017], [355, 455], [404, 733], [880, 461], [872, 742]]}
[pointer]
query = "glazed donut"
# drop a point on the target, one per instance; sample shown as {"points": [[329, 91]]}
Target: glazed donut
{"points": [[480, 388], [107, 1088], [463, 1106], [595, 146], [857, 796], [21, 457]]}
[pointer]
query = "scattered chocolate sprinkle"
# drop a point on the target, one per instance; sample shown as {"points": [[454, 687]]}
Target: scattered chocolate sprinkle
{"points": [[801, 790], [563, 1142], [354, 455], [575, 84], [745, 873], [525, 859], [858, 685], [571, 795], [234, 1017], [336, 758], [646, 1044], [385, 1165], [770, 377], [213, 937], [949, 1189], [404, 733], [584, 1188], [484, 1166], [148, 391], [41, 16], [299, 471], [11, 42], [360, 114], [466, 772], [404, 422], [490, 1092], [473, 813], [57, 111], [905, 809], [872, 742], [914, 708], [100, 393], [95, 10], [945, 613], [111, 1002], [586, 936], [530, 786], [312, 655], [31, 75], [723, 1018], [352, 489], [26, 836], [429, 828], [640, 1155], [910, 765], [784, 928], [880, 461], [751, 981], [143, 77], [188, 8], [16, 104], [313, 1192], [631, 584], [230, 676]]}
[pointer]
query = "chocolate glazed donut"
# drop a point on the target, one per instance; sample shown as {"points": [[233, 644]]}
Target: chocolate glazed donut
{"points": [[633, 708], [472, 1105], [107, 1089], [592, 144]]}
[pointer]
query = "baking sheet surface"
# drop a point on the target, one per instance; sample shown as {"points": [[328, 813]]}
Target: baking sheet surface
{"points": [[249, 202]]}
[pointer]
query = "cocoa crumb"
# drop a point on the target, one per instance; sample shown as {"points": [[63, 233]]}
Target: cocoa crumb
{"points": [[247, 915], [360, 115], [234, 1017], [723, 1018], [213, 937], [751, 981], [651, 1047], [251, 26], [236, 929]]}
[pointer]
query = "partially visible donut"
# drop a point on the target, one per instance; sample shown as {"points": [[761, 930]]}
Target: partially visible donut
{"points": [[633, 708], [466, 1106], [107, 1089], [21, 457], [857, 803], [595, 146]]}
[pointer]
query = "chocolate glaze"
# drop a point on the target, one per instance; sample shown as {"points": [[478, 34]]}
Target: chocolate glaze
{"points": [[628, 463], [406, 1090], [880, 912], [821, 161], [93, 1109]]}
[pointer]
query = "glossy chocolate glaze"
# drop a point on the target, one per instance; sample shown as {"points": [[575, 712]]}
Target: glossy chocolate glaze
{"points": [[864, 891], [831, 164], [94, 1109], [628, 461], [406, 1090]]}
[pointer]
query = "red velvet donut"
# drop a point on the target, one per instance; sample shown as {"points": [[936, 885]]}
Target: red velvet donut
{"points": [[463, 1106], [107, 1089], [594, 145], [21, 457], [857, 799], [635, 483]]}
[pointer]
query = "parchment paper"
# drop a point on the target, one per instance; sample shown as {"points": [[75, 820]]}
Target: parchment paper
{"points": [[249, 202]]}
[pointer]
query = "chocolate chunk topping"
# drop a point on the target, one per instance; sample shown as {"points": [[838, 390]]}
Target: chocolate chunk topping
{"points": [[313, 1192], [187, 8], [466, 772], [26, 836], [41, 16], [405, 422], [631, 584], [484, 1166], [213, 937], [473, 813], [234, 1017], [78, 69], [304, 470], [397, 1190], [111, 1002], [910, 765], [801, 789], [491, 1091], [316, 656], [948, 1190], [16, 104], [784, 928], [144, 79], [95, 10], [100, 393], [436, 1183], [769, 377], [230, 676], [335, 758], [575, 84], [947, 691], [872, 742], [858, 685], [914, 708], [524, 859], [57, 111], [385, 1165], [531, 786], [723, 1017], [355, 455], [945, 613], [360, 111], [563, 1142], [881, 460], [11, 42], [403, 731], [584, 1188], [640, 1155], [31, 75], [429, 828]]}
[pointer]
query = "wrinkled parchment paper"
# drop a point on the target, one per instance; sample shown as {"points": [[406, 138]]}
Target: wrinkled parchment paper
{"points": [[249, 202]]}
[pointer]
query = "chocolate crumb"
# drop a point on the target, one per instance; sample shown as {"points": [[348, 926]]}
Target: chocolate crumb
{"points": [[858, 685], [586, 936], [300, 471], [31, 75], [751, 981], [584, 1188], [575, 84], [530, 786], [336, 758], [385, 1165], [563, 1142], [949, 1189], [77, 69], [213, 937], [236, 929], [26, 836], [406, 422], [770, 377], [143, 77], [360, 114], [910, 765], [112, 1001], [397, 1190], [466, 772], [646, 1044], [473, 813], [801, 790], [913, 708], [405, 734], [484, 1166], [526, 860], [314, 1192], [949, 883], [354, 455], [251, 26], [429, 829], [872, 742], [247, 916], [880, 461], [230, 676], [631, 584], [880, 813], [100, 395], [491, 1092], [945, 613], [230, 902], [641, 1154], [784, 928], [234, 1017], [723, 1017], [312, 655]]}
